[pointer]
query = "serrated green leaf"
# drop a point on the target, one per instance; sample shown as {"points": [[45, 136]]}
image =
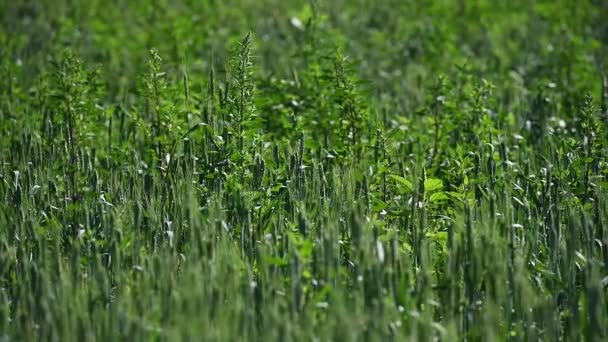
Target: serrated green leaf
{"points": [[433, 184]]}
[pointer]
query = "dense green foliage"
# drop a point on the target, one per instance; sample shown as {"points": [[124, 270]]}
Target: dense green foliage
{"points": [[347, 170]]}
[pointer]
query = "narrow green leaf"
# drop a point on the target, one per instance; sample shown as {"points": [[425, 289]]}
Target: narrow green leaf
{"points": [[403, 181]]}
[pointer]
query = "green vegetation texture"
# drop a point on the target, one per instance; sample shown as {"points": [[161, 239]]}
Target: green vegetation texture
{"points": [[274, 170]]}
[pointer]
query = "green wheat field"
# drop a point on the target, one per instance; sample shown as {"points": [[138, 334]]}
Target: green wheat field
{"points": [[299, 170]]}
